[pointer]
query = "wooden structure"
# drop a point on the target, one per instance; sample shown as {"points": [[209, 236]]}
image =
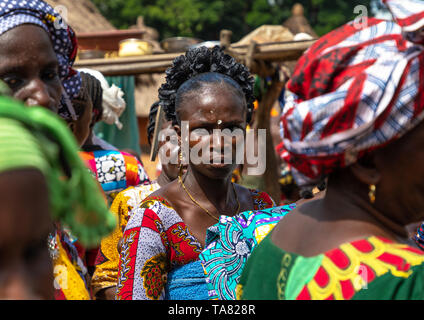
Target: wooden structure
{"points": [[158, 63]]}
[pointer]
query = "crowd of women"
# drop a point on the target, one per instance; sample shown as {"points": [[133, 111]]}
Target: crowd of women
{"points": [[81, 219]]}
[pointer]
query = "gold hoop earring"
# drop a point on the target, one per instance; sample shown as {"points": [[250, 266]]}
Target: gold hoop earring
{"points": [[371, 193], [180, 167]]}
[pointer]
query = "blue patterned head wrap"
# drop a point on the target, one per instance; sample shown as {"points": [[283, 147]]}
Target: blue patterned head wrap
{"points": [[14, 13]]}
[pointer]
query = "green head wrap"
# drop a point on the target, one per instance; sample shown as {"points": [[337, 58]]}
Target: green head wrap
{"points": [[37, 138], [4, 89]]}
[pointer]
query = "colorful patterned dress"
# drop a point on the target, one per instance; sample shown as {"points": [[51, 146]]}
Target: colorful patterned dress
{"points": [[229, 244], [373, 268], [115, 170], [71, 281], [419, 237], [107, 261], [156, 241]]}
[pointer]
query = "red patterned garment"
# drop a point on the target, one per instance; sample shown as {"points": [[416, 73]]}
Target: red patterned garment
{"points": [[355, 89], [155, 241]]}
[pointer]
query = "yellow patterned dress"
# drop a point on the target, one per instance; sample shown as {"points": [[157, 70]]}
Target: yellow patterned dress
{"points": [[107, 262], [71, 280]]}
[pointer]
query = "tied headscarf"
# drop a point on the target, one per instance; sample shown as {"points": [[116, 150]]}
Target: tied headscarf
{"points": [[36, 138], [356, 89], [14, 13]]}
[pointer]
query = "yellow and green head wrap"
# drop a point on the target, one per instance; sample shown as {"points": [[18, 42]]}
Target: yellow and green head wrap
{"points": [[36, 138]]}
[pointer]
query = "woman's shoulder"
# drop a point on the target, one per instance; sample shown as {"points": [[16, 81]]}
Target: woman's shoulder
{"points": [[261, 199], [139, 193], [131, 197], [389, 269], [154, 209], [369, 268], [155, 200]]}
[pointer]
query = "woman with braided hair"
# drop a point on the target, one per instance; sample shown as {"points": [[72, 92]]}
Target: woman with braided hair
{"points": [[115, 170], [210, 91]]}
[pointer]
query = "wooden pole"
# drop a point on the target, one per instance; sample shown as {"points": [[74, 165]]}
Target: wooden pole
{"points": [[263, 121]]}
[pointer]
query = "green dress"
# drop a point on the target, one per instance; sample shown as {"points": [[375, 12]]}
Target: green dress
{"points": [[373, 268]]}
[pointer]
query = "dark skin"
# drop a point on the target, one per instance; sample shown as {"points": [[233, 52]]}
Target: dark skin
{"points": [[25, 223], [81, 126], [213, 106], [168, 173], [29, 66], [345, 214]]}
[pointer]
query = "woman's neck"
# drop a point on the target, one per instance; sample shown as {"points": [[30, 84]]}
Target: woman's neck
{"points": [[89, 140], [163, 179], [347, 204], [218, 192]]}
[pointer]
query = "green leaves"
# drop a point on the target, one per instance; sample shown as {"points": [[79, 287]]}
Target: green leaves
{"points": [[204, 19]]}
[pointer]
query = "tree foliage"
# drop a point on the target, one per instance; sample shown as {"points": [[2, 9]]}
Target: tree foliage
{"points": [[205, 18]]}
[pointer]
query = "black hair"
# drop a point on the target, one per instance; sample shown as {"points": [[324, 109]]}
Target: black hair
{"points": [[79, 102], [214, 65], [152, 121], [95, 92]]}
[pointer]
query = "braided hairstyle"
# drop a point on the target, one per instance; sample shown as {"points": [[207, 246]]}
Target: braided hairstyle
{"points": [[199, 66], [152, 121], [95, 92]]}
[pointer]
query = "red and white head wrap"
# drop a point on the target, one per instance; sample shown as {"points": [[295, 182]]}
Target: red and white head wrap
{"points": [[356, 89]]}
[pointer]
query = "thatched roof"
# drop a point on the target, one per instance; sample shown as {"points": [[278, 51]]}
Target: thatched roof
{"points": [[266, 34], [83, 16]]}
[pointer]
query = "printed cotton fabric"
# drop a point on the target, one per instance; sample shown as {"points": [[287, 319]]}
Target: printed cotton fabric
{"points": [[107, 261], [230, 243], [373, 268], [356, 89], [115, 170], [156, 241]]}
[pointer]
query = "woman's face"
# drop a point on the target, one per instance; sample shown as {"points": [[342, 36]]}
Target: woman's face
{"points": [[28, 65], [215, 106], [81, 127], [26, 271]]}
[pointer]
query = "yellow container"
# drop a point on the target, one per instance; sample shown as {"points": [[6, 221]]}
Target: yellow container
{"points": [[134, 47]]}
